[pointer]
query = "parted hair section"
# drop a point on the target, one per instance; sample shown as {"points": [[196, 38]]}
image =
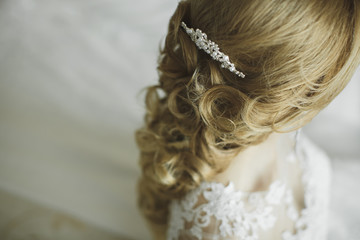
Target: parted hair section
{"points": [[297, 56]]}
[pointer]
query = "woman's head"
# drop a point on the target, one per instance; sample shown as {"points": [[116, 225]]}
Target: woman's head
{"points": [[291, 51], [297, 55]]}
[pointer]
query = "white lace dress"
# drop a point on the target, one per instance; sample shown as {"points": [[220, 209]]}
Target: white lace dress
{"points": [[214, 211]]}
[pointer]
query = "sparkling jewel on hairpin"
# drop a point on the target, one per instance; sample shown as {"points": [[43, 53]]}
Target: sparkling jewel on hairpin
{"points": [[211, 48]]}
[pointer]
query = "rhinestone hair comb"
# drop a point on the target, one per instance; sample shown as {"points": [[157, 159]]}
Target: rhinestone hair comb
{"points": [[211, 48]]}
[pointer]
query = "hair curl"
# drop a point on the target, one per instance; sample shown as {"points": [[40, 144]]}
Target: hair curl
{"points": [[297, 56]]}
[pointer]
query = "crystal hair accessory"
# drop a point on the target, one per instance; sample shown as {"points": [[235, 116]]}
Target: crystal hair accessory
{"points": [[211, 48]]}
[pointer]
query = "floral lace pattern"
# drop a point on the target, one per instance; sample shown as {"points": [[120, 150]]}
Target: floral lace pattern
{"points": [[232, 214]]}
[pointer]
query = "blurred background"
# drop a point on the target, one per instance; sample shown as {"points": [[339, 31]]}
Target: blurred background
{"points": [[70, 76]]}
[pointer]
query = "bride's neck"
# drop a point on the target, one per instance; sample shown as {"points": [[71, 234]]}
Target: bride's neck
{"points": [[254, 168]]}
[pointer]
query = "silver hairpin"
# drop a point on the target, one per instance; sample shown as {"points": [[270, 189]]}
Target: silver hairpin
{"points": [[211, 48]]}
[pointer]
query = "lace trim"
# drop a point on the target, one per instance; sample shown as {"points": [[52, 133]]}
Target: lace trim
{"points": [[239, 213], [311, 223], [242, 214]]}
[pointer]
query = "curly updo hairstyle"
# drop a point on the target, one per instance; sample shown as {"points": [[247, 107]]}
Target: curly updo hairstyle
{"points": [[297, 56]]}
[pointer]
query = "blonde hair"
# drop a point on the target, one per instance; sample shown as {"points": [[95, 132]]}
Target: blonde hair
{"points": [[297, 56]]}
